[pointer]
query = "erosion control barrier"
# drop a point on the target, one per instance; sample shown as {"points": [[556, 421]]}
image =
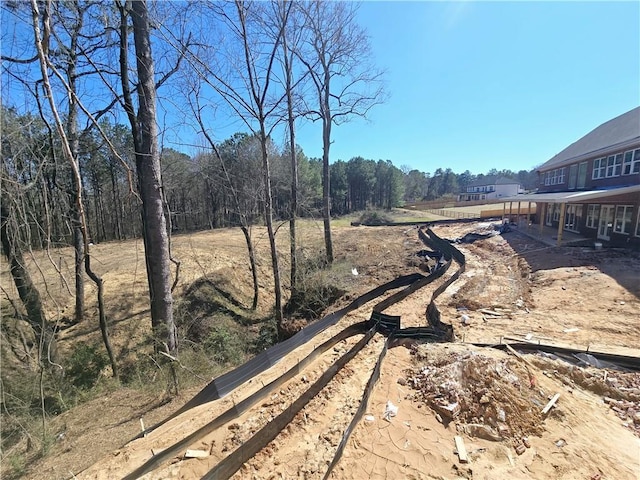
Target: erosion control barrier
{"points": [[450, 252], [378, 322], [574, 355], [233, 462], [241, 407], [437, 331], [227, 382], [362, 408]]}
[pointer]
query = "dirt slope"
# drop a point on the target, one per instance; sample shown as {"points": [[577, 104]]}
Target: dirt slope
{"points": [[568, 295]]}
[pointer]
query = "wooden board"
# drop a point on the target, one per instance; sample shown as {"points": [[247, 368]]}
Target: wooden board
{"points": [[551, 403], [462, 450], [196, 454]]}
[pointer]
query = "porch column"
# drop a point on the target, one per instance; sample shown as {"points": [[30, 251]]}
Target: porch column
{"points": [[510, 211], [563, 208], [528, 214], [518, 222], [504, 210], [543, 207]]}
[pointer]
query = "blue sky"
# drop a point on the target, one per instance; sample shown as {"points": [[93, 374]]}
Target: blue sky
{"points": [[481, 85], [473, 85]]}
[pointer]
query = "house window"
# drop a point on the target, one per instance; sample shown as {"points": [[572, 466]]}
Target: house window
{"points": [[631, 162], [628, 160], [554, 177], [549, 213], [547, 178], [610, 165], [599, 168], [593, 213], [573, 217], [561, 176], [614, 165], [622, 222], [618, 165], [556, 212], [582, 174], [573, 176]]}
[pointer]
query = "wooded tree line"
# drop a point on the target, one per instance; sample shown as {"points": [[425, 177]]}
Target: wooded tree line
{"points": [[200, 190], [73, 173]]}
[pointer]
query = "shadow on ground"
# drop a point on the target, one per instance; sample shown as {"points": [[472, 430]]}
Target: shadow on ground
{"points": [[623, 265]]}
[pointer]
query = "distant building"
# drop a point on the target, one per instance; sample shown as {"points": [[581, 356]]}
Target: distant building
{"points": [[592, 187], [490, 187]]}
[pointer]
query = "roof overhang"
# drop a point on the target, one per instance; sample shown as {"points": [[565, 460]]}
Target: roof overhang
{"points": [[571, 197], [630, 144]]}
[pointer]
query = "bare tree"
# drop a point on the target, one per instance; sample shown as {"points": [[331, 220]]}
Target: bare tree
{"points": [[145, 132], [291, 37], [28, 293], [70, 69], [42, 37], [243, 211], [249, 93], [336, 53]]}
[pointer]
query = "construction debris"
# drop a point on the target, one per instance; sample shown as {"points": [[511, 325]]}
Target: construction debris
{"points": [[390, 410], [551, 403], [461, 449], [486, 397], [196, 454]]}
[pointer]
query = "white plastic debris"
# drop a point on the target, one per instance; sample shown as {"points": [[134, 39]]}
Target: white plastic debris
{"points": [[354, 271], [502, 415], [369, 418], [465, 319], [390, 410]]}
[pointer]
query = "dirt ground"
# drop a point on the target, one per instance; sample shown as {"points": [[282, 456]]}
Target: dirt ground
{"points": [[513, 287]]}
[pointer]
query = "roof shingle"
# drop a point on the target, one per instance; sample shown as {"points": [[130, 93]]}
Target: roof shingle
{"points": [[617, 132]]}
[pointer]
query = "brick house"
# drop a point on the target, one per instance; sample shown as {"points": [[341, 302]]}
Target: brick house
{"points": [[592, 187]]}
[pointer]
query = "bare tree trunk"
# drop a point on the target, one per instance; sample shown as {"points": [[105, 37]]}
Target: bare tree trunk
{"points": [[42, 47], [252, 260], [117, 204], [294, 164], [149, 175], [29, 294], [268, 213], [336, 46], [74, 144], [79, 272], [326, 190]]}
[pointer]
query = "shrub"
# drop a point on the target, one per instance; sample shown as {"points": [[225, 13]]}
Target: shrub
{"points": [[226, 343], [84, 365], [318, 286], [267, 336], [373, 217]]}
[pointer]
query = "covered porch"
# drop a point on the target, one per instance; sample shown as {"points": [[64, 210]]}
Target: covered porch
{"points": [[549, 236], [563, 205]]}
